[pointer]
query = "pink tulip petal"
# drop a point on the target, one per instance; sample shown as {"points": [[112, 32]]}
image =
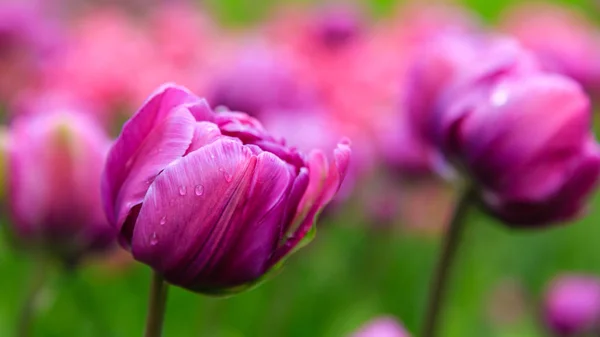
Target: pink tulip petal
{"points": [[167, 142], [134, 134]]}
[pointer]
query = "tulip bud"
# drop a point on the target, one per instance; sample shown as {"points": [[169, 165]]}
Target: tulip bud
{"points": [[381, 327], [572, 305], [524, 140], [55, 165], [212, 201]]}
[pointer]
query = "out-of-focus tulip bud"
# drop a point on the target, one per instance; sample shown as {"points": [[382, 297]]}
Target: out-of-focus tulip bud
{"points": [[524, 140], [259, 80], [55, 166], [572, 305], [563, 40], [381, 327], [212, 201]]}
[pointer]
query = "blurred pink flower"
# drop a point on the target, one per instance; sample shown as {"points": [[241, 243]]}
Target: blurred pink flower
{"points": [[106, 62], [564, 40], [28, 40], [572, 305], [381, 327]]}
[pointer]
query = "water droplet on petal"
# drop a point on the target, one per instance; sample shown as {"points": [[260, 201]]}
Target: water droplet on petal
{"points": [[163, 220], [226, 175], [199, 190], [182, 190], [212, 156], [153, 239]]}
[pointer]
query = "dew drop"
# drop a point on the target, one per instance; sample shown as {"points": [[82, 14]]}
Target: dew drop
{"points": [[163, 220], [226, 175], [182, 190], [153, 239], [199, 190]]}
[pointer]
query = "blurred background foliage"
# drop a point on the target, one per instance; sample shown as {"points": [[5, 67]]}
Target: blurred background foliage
{"points": [[353, 271]]}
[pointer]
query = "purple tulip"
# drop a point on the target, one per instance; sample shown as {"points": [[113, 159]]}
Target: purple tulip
{"points": [[212, 201], [381, 327], [55, 165], [572, 305], [259, 80], [524, 139]]}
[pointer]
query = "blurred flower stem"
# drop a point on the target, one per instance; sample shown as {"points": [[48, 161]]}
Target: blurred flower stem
{"points": [[156, 306], [439, 283], [35, 285]]}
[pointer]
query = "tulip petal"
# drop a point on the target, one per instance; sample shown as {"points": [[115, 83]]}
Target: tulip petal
{"points": [[204, 134], [133, 136], [257, 222], [325, 180], [517, 147], [188, 209], [167, 142]]}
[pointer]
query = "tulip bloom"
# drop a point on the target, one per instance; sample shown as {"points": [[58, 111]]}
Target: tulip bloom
{"points": [[572, 305], [382, 327], [212, 201], [524, 140], [55, 164]]}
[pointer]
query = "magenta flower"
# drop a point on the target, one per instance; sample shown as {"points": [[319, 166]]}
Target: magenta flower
{"points": [[212, 201], [55, 164], [572, 305], [382, 327], [523, 138]]}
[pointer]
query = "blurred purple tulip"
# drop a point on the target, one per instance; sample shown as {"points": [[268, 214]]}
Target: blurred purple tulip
{"points": [[55, 165], [212, 201], [260, 79], [436, 65], [572, 305], [523, 137], [381, 327]]}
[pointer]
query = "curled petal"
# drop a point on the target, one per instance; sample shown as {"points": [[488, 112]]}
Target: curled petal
{"points": [[324, 181]]}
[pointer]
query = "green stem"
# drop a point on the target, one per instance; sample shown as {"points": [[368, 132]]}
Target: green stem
{"points": [[29, 305], [156, 306], [446, 260]]}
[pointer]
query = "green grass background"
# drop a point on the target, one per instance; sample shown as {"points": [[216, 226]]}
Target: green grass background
{"points": [[345, 277]]}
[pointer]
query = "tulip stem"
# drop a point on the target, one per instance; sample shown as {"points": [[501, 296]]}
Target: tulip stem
{"points": [[156, 306], [30, 302], [439, 283]]}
